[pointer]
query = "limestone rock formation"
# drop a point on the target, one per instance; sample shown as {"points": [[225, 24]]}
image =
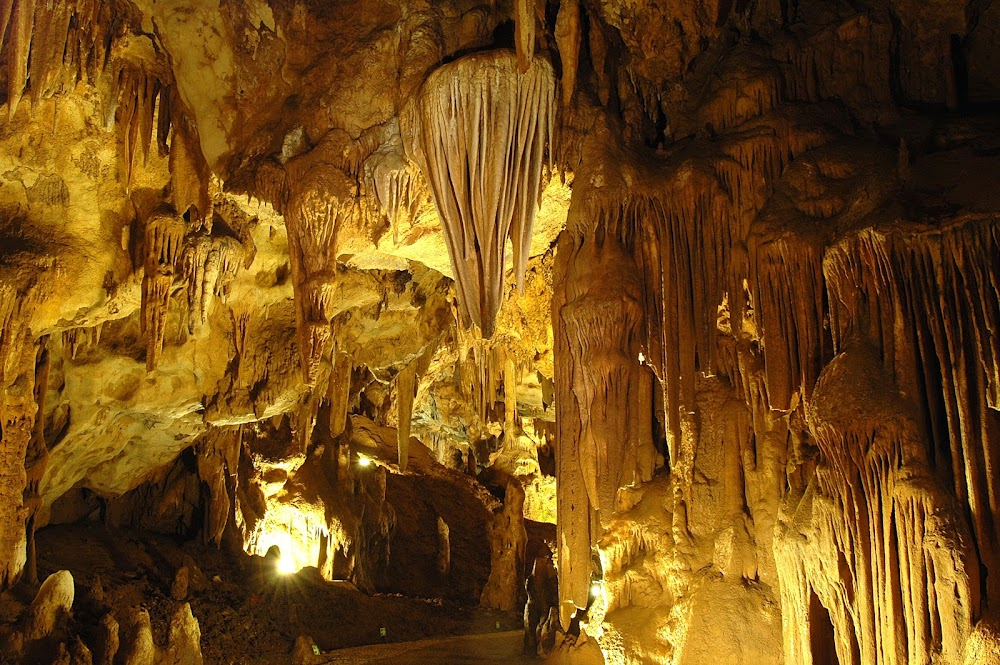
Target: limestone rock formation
{"points": [[50, 607], [691, 307]]}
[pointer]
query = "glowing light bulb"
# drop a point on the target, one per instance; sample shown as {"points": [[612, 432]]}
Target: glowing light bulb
{"points": [[364, 461], [596, 588], [642, 358]]}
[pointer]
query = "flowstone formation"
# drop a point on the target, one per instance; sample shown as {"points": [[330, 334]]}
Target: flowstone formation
{"points": [[688, 306]]}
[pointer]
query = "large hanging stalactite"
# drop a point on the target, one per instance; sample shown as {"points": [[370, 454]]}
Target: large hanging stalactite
{"points": [[603, 319], [482, 133], [602, 395]]}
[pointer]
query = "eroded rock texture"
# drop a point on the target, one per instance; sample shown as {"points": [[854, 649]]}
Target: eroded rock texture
{"points": [[256, 292]]}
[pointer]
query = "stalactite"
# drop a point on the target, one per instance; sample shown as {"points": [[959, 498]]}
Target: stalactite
{"points": [[686, 221], [322, 198], [524, 33], [209, 265], [52, 46], [510, 381], [569, 35], [928, 302], [849, 62], [137, 93], [406, 386], [241, 330], [482, 137], [745, 86], [164, 239], [641, 429], [189, 175], [76, 338], [19, 48], [903, 590], [391, 179], [339, 393], [788, 298]]}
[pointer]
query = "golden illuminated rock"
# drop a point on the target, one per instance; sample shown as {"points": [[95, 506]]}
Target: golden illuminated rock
{"points": [[707, 292]]}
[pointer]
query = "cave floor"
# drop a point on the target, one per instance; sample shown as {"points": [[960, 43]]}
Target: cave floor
{"points": [[501, 647], [244, 622]]}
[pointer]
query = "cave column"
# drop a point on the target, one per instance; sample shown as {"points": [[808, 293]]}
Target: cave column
{"points": [[17, 418], [597, 319]]}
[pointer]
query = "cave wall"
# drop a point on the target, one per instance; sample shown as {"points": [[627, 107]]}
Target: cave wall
{"points": [[750, 300]]}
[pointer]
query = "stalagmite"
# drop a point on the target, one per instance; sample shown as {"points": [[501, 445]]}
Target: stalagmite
{"points": [[18, 410], [444, 547], [36, 459], [573, 508], [51, 606], [603, 319], [481, 143], [406, 386], [508, 540], [217, 459]]}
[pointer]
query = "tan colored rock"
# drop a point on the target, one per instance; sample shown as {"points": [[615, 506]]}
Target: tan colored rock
{"points": [[137, 647], [184, 639], [304, 651], [179, 588], [51, 607], [107, 641], [503, 590]]}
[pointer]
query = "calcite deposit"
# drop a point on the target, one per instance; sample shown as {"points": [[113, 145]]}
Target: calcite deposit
{"points": [[665, 331]]}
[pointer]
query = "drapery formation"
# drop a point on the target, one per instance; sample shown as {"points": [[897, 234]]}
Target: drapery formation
{"points": [[482, 134]]}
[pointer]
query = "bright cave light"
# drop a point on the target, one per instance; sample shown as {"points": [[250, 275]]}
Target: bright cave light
{"points": [[286, 565], [364, 461], [596, 588]]}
